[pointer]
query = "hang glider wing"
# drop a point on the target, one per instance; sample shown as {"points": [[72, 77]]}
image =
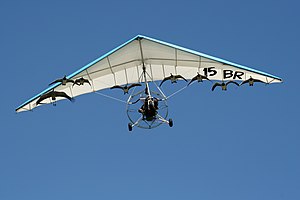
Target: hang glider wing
{"points": [[124, 65]]}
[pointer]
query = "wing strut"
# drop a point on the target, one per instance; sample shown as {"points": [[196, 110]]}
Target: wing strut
{"points": [[144, 67]]}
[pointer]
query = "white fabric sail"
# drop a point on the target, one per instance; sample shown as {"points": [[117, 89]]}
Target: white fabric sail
{"points": [[124, 65]]}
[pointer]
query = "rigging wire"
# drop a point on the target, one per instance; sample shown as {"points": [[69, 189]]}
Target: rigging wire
{"points": [[165, 97], [110, 97], [176, 92]]}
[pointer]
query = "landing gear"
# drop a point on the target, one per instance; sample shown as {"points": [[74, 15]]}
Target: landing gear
{"points": [[170, 122], [158, 117], [129, 126]]}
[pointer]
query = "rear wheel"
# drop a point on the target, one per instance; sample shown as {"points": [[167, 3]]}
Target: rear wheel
{"points": [[129, 126], [170, 122]]}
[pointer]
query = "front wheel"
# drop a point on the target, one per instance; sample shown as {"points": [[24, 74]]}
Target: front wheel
{"points": [[170, 122]]}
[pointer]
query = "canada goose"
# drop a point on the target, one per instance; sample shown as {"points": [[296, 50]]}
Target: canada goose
{"points": [[251, 81], [199, 78], [126, 88], [63, 81], [173, 78], [81, 81], [223, 85], [53, 95]]}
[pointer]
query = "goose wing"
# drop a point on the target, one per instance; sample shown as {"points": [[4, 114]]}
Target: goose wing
{"points": [[43, 97], [165, 79], [56, 81], [215, 85], [87, 81], [204, 77], [63, 94], [179, 76], [76, 82], [193, 79], [70, 81], [117, 86]]}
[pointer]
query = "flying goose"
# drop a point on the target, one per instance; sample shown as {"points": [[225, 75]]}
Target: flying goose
{"points": [[126, 88], [251, 81], [223, 85], [172, 78], [81, 81], [199, 78], [53, 95], [63, 81]]}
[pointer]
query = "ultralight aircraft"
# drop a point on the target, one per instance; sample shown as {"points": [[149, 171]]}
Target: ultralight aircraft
{"points": [[140, 68]]}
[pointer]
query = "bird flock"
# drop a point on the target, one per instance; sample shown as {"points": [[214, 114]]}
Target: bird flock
{"points": [[201, 78], [54, 94], [173, 78]]}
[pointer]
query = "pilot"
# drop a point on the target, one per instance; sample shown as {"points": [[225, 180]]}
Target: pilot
{"points": [[149, 108]]}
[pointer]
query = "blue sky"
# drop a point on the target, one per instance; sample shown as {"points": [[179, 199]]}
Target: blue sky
{"points": [[241, 144]]}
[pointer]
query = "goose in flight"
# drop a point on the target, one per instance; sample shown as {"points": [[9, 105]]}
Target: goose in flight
{"points": [[251, 81], [223, 85], [63, 81], [81, 81], [126, 88], [199, 78], [53, 95], [172, 78]]}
